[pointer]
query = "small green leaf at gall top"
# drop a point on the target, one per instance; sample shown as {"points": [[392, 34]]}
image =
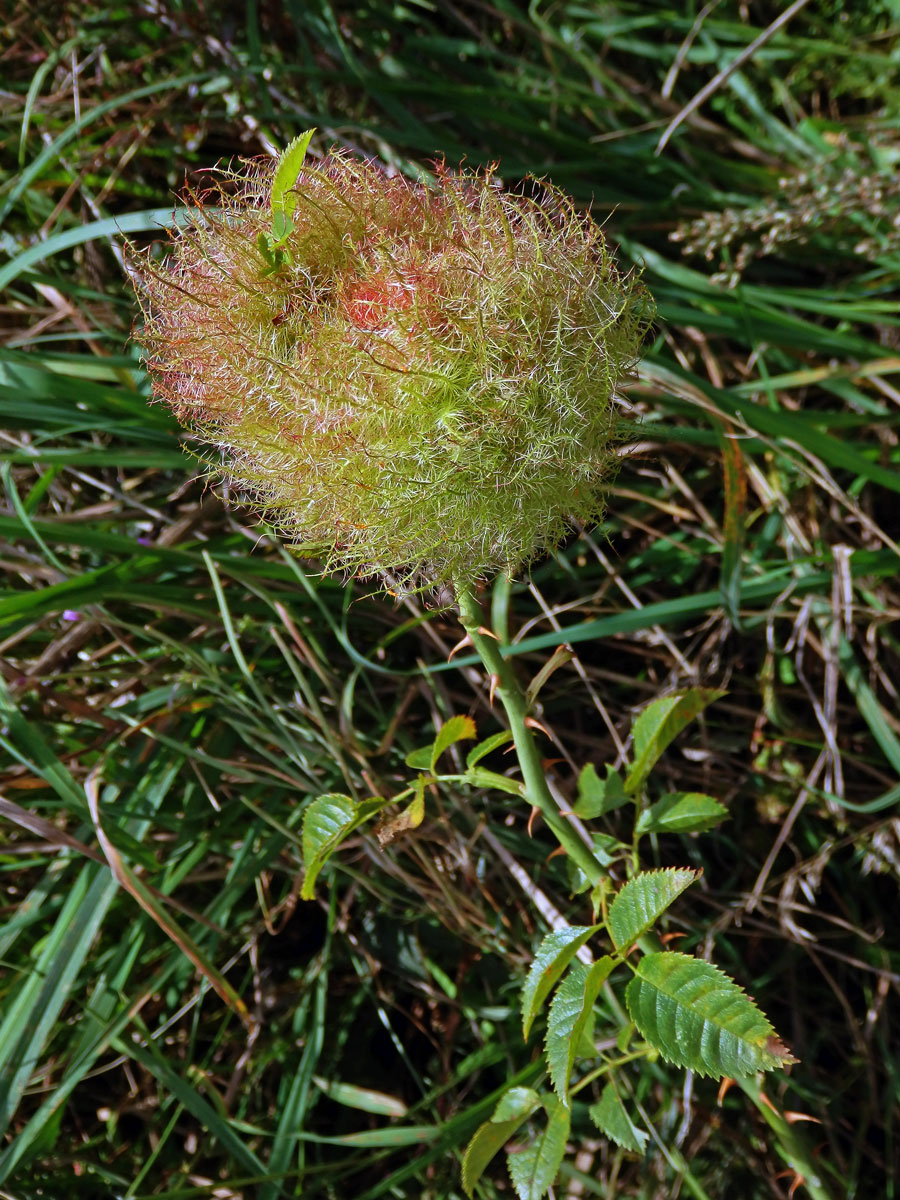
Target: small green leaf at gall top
{"points": [[681, 812], [554, 954], [696, 1017], [658, 724], [571, 1016], [287, 171], [534, 1168], [457, 729], [642, 901], [598, 796], [610, 1117]]}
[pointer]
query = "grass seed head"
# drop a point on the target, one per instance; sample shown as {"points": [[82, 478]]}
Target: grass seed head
{"points": [[420, 384]]}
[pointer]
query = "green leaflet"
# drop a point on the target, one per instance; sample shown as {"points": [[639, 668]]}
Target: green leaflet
{"points": [[658, 724], [483, 749], [513, 1108], [488, 1140], [611, 1117], [420, 759], [457, 729], [481, 777], [598, 796], [643, 900], [326, 823], [554, 954], [697, 1017], [570, 1018], [681, 812], [516, 1102], [534, 1168]]}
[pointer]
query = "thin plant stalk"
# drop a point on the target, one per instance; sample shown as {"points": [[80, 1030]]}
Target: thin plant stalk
{"points": [[512, 697]]}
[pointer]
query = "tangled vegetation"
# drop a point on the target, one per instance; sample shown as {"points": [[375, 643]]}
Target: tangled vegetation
{"points": [[177, 690]]}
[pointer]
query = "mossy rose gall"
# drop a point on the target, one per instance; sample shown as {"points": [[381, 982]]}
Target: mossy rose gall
{"points": [[413, 380]]}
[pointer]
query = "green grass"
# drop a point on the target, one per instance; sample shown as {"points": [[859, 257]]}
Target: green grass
{"points": [[210, 684]]}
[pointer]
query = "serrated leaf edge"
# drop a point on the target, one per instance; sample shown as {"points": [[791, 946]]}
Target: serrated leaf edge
{"points": [[534, 993], [631, 887], [501, 1132], [587, 980], [641, 1136], [558, 1115], [774, 1048]]}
